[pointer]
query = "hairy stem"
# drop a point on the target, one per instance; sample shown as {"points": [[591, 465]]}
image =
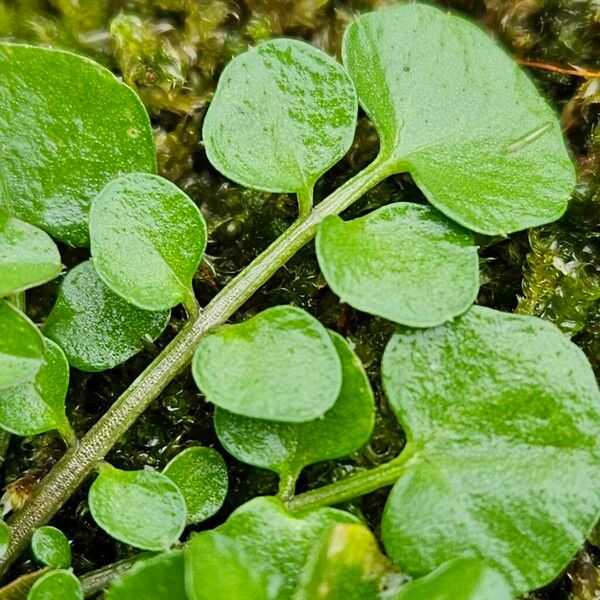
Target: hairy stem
{"points": [[351, 487], [79, 461]]}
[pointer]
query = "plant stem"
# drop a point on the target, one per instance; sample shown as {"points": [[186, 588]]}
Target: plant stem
{"points": [[79, 461], [98, 580], [351, 487]]}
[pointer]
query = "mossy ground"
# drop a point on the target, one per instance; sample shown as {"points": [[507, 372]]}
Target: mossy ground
{"points": [[171, 53]]}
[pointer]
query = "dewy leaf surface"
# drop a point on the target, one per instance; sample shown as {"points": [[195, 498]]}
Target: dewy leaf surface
{"points": [[287, 448], [460, 579], [56, 585], [21, 347], [67, 127], [405, 262], [157, 578], [50, 546], [279, 365], [502, 416], [278, 541], [451, 107], [147, 240], [97, 329], [201, 475], [283, 113], [144, 509], [37, 406], [28, 256]]}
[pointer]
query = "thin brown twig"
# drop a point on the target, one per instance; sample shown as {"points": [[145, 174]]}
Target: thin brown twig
{"points": [[574, 70]]}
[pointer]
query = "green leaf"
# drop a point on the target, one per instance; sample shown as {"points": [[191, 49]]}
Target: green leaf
{"points": [[38, 406], [68, 127], [50, 547], [56, 585], [147, 240], [283, 113], [502, 417], [347, 564], [144, 509], [158, 578], [21, 347], [201, 475], [287, 448], [271, 544], [453, 109], [460, 579], [4, 538], [280, 365], [28, 256], [404, 262], [218, 567], [96, 328]]}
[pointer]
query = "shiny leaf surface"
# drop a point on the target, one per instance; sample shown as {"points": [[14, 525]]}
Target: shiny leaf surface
{"points": [[56, 585], [144, 509], [39, 405], [287, 448], [280, 365], [50, 547], [96, 328], [21, 347], [451, 107], [68, 126], [347, 564], [201, 475], [274, 544], [158, 578], [147, 240], [28, 256], [217, 567], [460, 579], [502, 416], [283, 113], [405, 262]]}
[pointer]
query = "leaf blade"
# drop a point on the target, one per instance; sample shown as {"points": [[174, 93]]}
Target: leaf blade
{"points": [[486, 150]]}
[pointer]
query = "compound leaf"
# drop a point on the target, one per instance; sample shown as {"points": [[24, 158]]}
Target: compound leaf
{"points": [[280, 365], [460, 579], [28, 256], [97, 329], [21, 347], [39, 405], [201, 475], [144, 509], [159, 577], [502, 416], [405, 262], [287, 448], [68, 127], [283, 113], [56, 585], [451, 107], [147, 240], [50, 547]]}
